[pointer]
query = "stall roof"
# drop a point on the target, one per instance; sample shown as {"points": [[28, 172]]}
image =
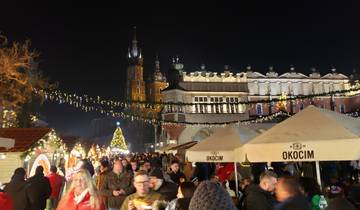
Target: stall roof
{"points": [[313, 134], [186, 145], [24, 137]]}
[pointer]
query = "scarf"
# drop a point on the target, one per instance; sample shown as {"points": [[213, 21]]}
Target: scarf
{"points": [[79, 198]]}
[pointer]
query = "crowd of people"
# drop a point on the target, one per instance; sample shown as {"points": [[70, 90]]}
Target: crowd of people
{"points": [[166, 181]]}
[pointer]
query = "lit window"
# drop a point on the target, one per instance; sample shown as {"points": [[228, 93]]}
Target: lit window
{"points": [[259, 109], [342, 108]]}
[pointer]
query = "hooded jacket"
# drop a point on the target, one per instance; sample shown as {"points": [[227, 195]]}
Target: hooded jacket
{"points": [[39, 191], [17, 190]]}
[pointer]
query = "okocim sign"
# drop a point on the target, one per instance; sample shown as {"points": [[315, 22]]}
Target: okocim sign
{"points": [[214, 157], [298, 151]]}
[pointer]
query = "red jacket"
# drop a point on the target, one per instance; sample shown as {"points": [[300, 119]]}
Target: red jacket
{"points": [[56, 182], [5, 202], [68, 203], [225, 172]]}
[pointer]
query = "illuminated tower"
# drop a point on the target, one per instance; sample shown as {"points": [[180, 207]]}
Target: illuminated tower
{"points": [[135, 84], [156, 83]]}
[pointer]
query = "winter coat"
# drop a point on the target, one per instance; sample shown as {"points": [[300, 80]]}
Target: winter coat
{"points": [[56, 182], [113, 182], [298, 202], [258, 199], [39, 190], [101, 177], [17, 190], [68, 203], [5, 201], [168, 190], [176, 177]]}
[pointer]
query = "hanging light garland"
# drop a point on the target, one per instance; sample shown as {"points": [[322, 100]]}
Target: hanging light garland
{"points": [[78, 101], [97, 104]]}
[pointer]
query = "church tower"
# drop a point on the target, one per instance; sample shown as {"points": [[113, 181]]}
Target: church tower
{"points": [[156, 83], [135, 84]]}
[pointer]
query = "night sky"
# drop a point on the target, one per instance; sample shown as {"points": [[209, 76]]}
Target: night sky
{"points": [[84, 49]]}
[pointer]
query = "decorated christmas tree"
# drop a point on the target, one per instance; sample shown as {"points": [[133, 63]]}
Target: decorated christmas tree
{"points": [[118, 143]]}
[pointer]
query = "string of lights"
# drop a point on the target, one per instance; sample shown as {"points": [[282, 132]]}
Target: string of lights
{"points": [[107, 107], [97, 100], [154, 121]]}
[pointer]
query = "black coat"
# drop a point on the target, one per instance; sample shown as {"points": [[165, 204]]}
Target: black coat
{"points": [[298, 202], [39, 190], [175, 177], [168, 190], [16, 189], [258, 199]]}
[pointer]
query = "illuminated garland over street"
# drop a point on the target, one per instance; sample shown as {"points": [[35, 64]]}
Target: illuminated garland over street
{"points": [[97, 104], [154, 121], [85, 99]]}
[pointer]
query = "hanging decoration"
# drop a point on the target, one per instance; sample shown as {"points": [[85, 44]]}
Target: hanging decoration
{"points": [[84, 100], [114, 108], [50, 144]]}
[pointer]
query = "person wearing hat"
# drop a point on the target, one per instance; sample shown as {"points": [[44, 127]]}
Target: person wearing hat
{"points": [[39, 189], [157, 182], [211, 196], [16, 189]]}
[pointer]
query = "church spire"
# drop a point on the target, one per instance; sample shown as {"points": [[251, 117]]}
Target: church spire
{"points": [[157, 63], [134, 52], [158, 76], [134, 48]]}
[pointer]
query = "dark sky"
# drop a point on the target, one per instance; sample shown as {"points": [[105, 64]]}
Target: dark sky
{"points": [[84, 49]]}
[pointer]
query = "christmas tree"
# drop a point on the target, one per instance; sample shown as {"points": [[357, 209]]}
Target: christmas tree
{"points": [[118, 143]]}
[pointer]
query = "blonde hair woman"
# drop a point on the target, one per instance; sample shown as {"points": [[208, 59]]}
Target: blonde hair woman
{"points": [[82, 194]]}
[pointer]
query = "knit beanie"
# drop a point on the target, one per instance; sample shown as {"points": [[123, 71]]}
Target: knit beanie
{"points": [[211, 196]]}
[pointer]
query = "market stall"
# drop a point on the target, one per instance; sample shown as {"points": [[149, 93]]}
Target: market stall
{"points": [[313, 134], [30, 144]]}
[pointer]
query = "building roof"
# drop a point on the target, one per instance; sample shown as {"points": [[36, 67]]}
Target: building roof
{"points": [[24, 137], [70, 141]]}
